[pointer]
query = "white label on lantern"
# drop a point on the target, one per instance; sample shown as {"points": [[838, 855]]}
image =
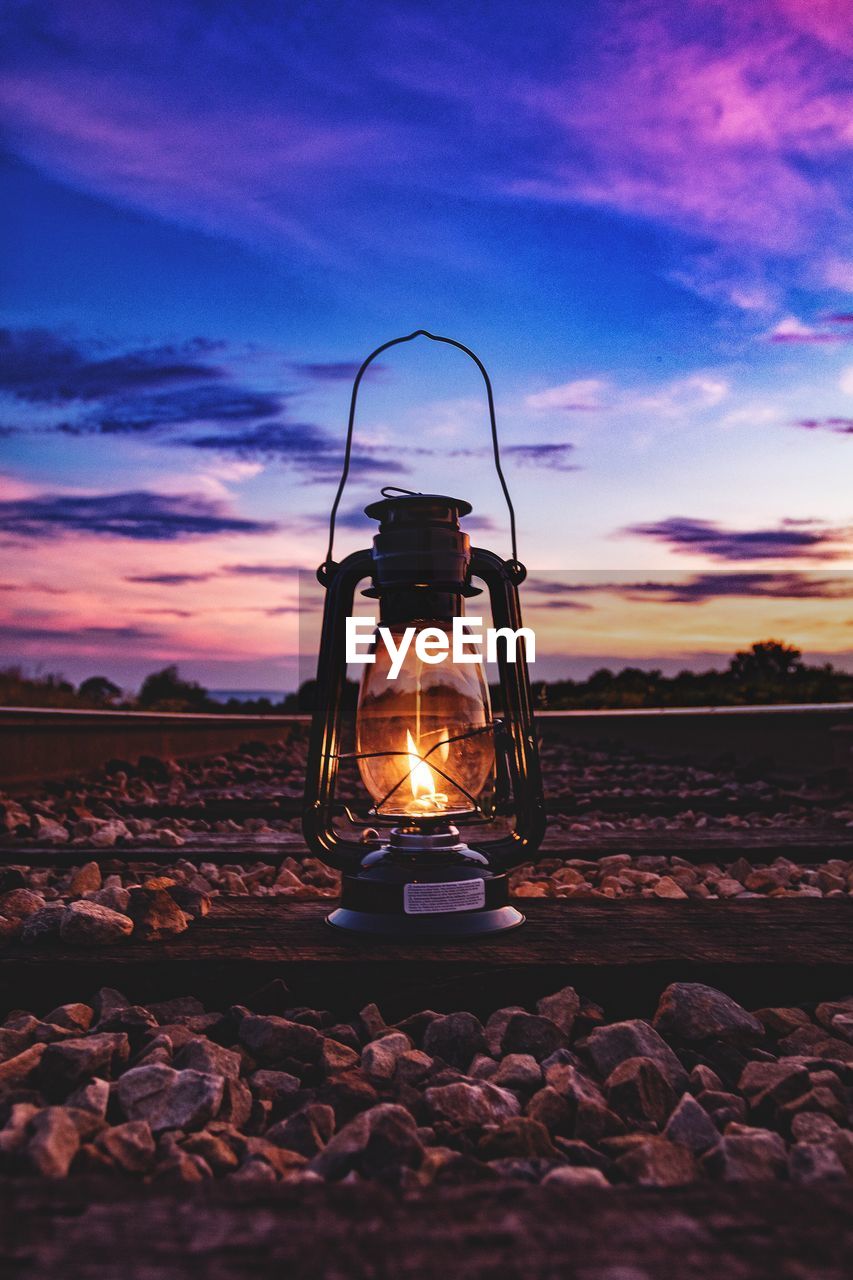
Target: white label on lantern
{"points": [[448, 895]]}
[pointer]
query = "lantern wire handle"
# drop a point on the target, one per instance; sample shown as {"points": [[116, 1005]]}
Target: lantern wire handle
{"points": [[326, 568]]}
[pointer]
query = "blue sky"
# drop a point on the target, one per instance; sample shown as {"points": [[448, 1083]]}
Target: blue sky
{"points": [[638, 214]]}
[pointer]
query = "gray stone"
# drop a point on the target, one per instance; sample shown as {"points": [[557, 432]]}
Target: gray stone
{"points": [[86, 924], [75, 1017], [608, 1046], [691, 1011], [272, 1039], [169, 1099], [206, 1055], [307, 1131], [71, 1062], [277, 1087], [748, 1157], [518, 1071], [92, 1096], [54, 1142], [657, 1162], [42, 924], [379, 1057], [638, 1091], [532, 1034], [471, 1105], [413, 1067], [377, 1142], [561, 1008], [574, 1176], [19, 1069], [496, 1026], [114, 897], [690, 1126], [237, 1101], [810, 1162], [521, 1136], [456, 1038], [130, 1146], [767, 1085]]}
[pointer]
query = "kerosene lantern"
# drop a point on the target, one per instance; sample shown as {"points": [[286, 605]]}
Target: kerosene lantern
{"points": [[429, 752]]}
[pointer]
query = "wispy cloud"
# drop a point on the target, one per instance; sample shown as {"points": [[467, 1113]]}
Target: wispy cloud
{"points": [[145, 414], [43, 367], [336, 370], [139, 515], [553, 456], [168, 579], [791, 539]]}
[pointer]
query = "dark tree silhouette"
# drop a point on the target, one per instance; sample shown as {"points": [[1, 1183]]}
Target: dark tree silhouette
{"points": [[100, 690]]}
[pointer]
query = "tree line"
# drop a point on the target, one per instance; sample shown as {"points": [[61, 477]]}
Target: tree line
{"points": [[768, 672]]}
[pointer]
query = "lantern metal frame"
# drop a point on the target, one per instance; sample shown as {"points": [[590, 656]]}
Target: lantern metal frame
{"points": [[376, 874]]}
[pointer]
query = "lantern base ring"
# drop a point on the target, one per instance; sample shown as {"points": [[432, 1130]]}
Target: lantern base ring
{"points": [[425, 885], [400, 928]]}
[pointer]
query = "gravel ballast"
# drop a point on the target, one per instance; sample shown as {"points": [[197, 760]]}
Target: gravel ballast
{"points": [[705, 1091]]}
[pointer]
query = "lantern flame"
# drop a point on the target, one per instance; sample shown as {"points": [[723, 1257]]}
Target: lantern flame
{"points": [[421, 778]]}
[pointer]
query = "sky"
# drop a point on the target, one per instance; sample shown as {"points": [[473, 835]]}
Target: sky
{"points": [[638, 214]]}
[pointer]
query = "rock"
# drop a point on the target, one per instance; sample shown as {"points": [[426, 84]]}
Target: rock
{"points": [[818, 1098], [561, 1008], [237, 1102], [371, 1023], [18, 1070], [193, 902], [657, 1162], [179, 1167], [114, 897], [272, 1039], [814, 1126], [76, 1017], [44, 923], [518, 1071], [308, 1131], [520, 1136], [376, 1143], [379, 1057], [48, 830], [92, 1096], [130, 1146], [482, 1068], [666, 887], [470, 1105], [639, 1091], [590, 1116], [205, 1055], [213, 1150], [456, 1038], [14, 1135], [550, 1109], [759, 1156], [70, 1062], [809, 1162], [17, 904], [277, 1087], [86, 924], [155, 914], [169, 1099], [9, 930], [782, 1021], [577, 1176], [702, 1078], [825, 1013], [722, 1107], [337, 1057], [532, 1034], [608, 1046], [496, 1026], [692, 1012], [413, 1067], [85, 879], [177, 1009], [54, 1142], [767, 1085], [107, 1000], [690, 1126]]}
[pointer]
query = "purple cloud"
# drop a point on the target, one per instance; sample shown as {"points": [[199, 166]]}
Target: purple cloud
{"points": [[169, 579], [840, 426], [553, 456], [139, 515], [791, 539], [42, 367]]}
